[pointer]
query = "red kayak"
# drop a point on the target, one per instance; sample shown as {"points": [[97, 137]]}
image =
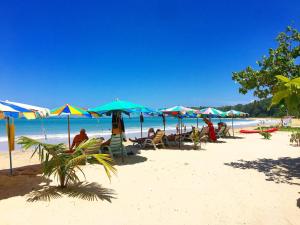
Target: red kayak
{"points": [[258, 131]]}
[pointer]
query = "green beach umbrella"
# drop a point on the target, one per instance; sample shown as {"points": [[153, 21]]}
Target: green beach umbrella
{"points": [[119, 107]]}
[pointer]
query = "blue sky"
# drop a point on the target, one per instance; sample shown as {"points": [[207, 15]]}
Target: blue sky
{"points": [[157, 53]]}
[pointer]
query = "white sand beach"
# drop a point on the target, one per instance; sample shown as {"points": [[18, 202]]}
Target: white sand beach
{"points": [[241, 181]]}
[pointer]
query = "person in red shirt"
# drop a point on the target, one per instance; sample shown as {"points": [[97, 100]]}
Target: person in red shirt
{"points": [[79, 138], [212, 134]]}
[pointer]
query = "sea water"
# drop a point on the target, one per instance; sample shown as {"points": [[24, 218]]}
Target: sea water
{"points": [[54, 130]]}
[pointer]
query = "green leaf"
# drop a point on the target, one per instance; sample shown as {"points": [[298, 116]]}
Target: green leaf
{"points": [[283, 78], [278, 96]]}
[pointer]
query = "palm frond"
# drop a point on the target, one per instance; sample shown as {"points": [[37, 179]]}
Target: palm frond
{"points": [[106, 161], [78, 160], [86, 144]]}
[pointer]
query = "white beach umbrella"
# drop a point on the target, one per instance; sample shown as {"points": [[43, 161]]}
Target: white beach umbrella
{"points": [[42, 112]]}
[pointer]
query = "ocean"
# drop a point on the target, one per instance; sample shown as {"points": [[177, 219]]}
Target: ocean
{"points": [[54, 130]]}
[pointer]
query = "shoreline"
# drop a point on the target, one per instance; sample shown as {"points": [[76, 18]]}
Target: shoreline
{"points": [[63, 138]]}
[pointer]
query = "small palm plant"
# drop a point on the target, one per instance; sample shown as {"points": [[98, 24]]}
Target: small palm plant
{"points": [[196, 138], [64, 166], [266, 135]]}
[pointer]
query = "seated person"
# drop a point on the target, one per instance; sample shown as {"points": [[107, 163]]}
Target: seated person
{"points": [[220, 125], [151, 135], [78, 139]]}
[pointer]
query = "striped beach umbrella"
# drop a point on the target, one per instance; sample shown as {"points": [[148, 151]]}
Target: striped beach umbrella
{"points": [[234, 113], [35, 111], [211, 112], [68, 110], [179, 112], [7, 111]]}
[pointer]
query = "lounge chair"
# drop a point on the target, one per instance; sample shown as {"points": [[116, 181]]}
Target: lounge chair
{"points": [[156, 141], [116, 146], [226, 132], [220, 133], [95, 148], [204, 134]]}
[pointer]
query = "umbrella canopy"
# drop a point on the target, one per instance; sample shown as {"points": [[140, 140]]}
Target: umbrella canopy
{"points": [[232, 113], [11, 110], [211, 111], [35, 111], [178, 110], [41, 111], [70, 109], [117, 105]]}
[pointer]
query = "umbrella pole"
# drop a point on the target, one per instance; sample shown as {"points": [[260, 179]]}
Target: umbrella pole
{"points": [[180, 132], [69, 139], [9, 150], [141, 130], [232, 126], [121, 137], [141, 125], [197, 122]]}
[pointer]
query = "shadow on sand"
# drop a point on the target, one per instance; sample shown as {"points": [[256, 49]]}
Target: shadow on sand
{"points": [[24, 180], [28, 181], [83, 190], [234, 137], [282, 170], [130, 160]]}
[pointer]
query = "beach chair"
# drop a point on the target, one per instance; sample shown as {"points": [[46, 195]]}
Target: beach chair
{"points": [[156, 141], [116, 146], [220, 133], [226, 132], [95, 148], [204, 134]]}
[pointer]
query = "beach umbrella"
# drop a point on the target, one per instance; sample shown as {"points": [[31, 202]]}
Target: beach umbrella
{"points": [[70, 110], [118, 107], [9, 111], [234, 113], [38, 111], [179, 112], [211, 112]]}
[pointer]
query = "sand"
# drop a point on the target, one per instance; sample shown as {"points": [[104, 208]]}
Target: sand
{"points": [[241, 181]]}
